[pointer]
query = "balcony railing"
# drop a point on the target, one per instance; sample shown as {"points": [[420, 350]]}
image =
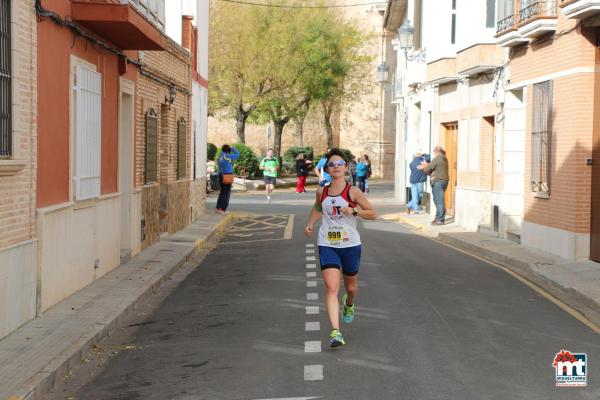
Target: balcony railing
{"points": [[505, 24], [538, 9]]}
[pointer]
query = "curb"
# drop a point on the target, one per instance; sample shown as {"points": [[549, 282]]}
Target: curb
{"points": [[587, 306], [38, 386]]}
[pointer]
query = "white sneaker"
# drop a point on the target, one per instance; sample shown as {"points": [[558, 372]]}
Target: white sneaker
{"points": [[268, 199]]}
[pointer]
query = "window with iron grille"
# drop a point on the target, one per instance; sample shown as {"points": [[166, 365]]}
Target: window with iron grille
{"points": [[541, 137], [181, 146], [151, 172], [5, 81]]}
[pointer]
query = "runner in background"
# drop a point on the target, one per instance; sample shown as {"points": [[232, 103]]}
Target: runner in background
{"points": [[270, 166]]}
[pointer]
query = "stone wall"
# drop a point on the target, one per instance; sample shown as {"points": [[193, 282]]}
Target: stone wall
{"points": [[198, 198]]}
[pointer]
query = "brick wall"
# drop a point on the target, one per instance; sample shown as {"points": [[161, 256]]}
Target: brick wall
{"points": [[166, 206], [17, 191], [569, 204]]}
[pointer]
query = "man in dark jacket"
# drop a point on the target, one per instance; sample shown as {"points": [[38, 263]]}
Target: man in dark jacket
{"points": [[417, 182], [438, 169]]}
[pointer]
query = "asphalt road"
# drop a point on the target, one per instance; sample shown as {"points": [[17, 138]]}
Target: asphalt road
{"points": [[431, 323]]}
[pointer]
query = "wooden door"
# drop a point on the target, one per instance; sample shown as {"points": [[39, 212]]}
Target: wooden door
{"points": [[451, 146]]}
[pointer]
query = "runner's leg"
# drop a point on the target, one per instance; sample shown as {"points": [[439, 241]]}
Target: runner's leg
{"points": [[331, 277]]}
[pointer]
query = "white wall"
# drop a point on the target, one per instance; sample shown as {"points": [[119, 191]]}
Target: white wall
{"points": [[471, 24], [173, 13]]}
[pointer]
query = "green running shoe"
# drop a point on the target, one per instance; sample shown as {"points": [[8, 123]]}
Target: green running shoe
{"points": [[348, 313], [336, 339]]}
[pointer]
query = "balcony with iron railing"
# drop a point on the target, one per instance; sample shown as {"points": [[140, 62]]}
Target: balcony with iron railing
{"points": [[129, 24], [580, 8], [538, 18], [530, 20]]}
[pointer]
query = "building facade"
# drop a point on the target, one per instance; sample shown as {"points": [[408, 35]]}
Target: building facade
{"points": [[552, 77], [18, 165]]}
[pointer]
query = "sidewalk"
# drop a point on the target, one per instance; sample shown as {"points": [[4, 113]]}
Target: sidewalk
{"points": [[575, 283], [40, 352]]}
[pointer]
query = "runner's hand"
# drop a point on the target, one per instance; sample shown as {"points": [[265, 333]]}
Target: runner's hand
{"points": [[347, 210], [308, 231]]}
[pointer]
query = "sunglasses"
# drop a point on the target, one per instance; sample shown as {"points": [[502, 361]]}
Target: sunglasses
{"points": [[338, 163]]}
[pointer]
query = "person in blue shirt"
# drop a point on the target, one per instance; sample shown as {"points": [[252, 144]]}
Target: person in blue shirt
{"points": [[362, 170], [225, 162], [321, 171], [417, 182]]}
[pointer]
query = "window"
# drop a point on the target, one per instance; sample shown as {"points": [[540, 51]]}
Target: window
{"points": [[541, 137], [5, 81], [151, 170], [490, 15], [181, 148], [453, 30], [88, 131]]}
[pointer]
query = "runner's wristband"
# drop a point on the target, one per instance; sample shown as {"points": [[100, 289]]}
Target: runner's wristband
{"points": [[318, 207]]}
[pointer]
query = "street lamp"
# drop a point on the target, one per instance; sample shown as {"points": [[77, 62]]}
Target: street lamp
{"points": [[382, 73], [406, 37]]}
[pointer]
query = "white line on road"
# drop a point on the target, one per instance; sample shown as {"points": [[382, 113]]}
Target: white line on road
{"points": [[310, 245], [313, 372], [310, 251], [294, 398], [312, 326], [310, 258], [311, 274], [312, 309], [312, 346], [312, 296], [289, 228], [311, 284], [310, 266]]}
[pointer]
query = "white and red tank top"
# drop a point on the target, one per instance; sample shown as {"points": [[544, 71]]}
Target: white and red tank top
{"points": [[337, 229]]}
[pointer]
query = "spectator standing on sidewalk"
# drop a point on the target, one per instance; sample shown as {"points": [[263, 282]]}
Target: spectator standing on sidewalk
{"points": [[361, 174], [352, 169], [369, 172], [270, 166], [226, 158], [301, 172], [418, 178], [438, 169], [321, 170]]}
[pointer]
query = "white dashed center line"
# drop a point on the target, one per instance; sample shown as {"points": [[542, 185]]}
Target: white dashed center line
{"points": [[310, 266], [313, 372], [310, 258], [312, 346], [311, 284], [310, 245], [312, 326], [312, 296], [310, 251], [312, 309], [311, 274]]}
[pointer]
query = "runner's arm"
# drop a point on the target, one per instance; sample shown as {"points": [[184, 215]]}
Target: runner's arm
{"points": [[315, 214], [366, 210]]}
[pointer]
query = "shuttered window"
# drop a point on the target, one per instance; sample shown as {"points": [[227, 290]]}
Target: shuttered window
{"points": [[181, 147], [5, 81], [541, 137], [151, 170], [88, 128]]}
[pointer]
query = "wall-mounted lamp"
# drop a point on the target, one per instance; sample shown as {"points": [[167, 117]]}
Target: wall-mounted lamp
{"points": [[171, 97], [406, 38], [382, 73]]}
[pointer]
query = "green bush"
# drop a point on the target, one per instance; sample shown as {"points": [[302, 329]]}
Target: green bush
{"points": [[211, 151], [291, 153], [247, 165]]}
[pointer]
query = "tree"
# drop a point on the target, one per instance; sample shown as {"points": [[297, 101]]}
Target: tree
{"points": [[239, 62]]}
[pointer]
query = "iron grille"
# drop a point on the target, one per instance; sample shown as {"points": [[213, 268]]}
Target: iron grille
{"points": [[151, 146], [505, 23], [541, 137], [181, 147], [5, 81], [538, 9]]}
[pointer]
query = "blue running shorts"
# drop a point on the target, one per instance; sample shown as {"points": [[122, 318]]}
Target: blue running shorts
{"points": [[347, 259]]}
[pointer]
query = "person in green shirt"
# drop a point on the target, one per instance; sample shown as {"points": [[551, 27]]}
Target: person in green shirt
{"points": [[270, 166]]}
